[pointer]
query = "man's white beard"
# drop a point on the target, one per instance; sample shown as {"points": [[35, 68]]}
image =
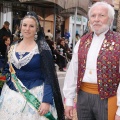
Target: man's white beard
{"points": [[101, 30]]}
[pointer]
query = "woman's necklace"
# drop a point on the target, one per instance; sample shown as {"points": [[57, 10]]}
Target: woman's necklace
{"points": [[22, 53], [24, 47]]}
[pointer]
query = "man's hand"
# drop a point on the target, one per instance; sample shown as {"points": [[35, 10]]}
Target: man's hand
{"points": [[69, 112], [117, 117], [44, 108]]}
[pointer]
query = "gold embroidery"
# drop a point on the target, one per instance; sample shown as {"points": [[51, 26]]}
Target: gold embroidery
{"points": [[87, 43], [111, 48]]}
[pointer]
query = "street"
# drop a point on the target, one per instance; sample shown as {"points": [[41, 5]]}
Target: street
{"points": [[61, 77]]}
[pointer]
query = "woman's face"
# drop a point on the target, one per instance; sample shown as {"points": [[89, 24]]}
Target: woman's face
{"points": [[62, 43], [28, 28], [7, 42]]}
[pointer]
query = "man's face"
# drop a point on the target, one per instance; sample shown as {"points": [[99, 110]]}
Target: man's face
{"points": [[99, 19], [6, 27]]}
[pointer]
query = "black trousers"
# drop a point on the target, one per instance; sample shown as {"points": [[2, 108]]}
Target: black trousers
{"points": [[91, 107]]}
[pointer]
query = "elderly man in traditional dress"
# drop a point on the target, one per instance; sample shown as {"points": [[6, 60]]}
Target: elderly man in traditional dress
{"points": [[94, 69]]}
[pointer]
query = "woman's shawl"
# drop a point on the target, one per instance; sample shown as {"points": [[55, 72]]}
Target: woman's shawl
{"points": [[48, 67]]}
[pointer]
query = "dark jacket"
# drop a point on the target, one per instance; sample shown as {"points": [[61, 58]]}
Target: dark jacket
{"points": [[4, 32]]}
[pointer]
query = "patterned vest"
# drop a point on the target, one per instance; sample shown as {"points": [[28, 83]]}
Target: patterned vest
{"points": [[108, 76]]}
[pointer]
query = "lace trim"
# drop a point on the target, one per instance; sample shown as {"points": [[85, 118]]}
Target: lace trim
{"points": [[21, 54], [24, 60]]}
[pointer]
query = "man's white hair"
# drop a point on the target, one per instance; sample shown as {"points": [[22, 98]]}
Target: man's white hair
{"points": [[111, 11]]}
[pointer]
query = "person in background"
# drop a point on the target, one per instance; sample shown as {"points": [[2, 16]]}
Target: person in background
{"points": [[31, 91], [58, 36], [6, 45], [88, 29], [5, 48], [67, 49], [67, 35], [77, 38], [16, 35], [62, 56], [94, 71], [49, 34], [4, 31], [50, 43], [52, 46]]}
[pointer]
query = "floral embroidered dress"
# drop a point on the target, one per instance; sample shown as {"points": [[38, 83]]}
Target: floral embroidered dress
{"points": [[27, 67]]}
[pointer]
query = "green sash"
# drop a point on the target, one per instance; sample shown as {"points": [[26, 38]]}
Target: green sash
{"points": [[30, 98]]}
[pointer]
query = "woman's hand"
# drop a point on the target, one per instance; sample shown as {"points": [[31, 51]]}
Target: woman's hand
{"points": [[44, 108]]}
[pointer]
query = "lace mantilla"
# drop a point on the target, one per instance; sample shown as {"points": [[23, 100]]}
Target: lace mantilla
{"points": [[23, 60], [43, 46]]}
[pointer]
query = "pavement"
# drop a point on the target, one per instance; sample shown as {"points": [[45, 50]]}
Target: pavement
{"points": [[61, 77]]}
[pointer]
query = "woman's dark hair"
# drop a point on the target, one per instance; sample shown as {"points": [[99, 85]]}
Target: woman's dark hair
{"points": [[5, 38]]}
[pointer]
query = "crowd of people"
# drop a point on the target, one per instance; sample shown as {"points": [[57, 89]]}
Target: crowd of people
{"points": [[32, 90], [61, 52], [5, 40]]}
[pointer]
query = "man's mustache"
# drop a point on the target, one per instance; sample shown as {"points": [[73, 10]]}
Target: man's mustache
{"points": [[96, 24]]}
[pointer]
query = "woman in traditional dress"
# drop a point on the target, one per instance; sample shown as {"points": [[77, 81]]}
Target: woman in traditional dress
{"points": [[31, 91]]}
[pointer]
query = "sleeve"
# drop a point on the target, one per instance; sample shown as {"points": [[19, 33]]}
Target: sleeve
{"points": [[47, 94], [118, 96], [6, 72], [70, 84], [118, 100], [1, 33]]}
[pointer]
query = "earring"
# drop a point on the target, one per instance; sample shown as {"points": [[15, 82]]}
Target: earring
{"points": [[36, 36], [21, 36]]}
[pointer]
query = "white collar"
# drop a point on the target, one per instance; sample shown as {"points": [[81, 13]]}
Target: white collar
{"points": [[101, 35]]}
